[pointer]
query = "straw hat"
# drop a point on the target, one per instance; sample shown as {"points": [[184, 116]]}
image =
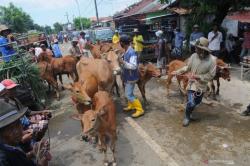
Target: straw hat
{"points": [[3, 28], [202, 43], [74, 39]]}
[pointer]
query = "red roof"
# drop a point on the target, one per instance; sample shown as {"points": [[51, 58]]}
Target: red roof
{"points": [[242, 16], [142, 7]]}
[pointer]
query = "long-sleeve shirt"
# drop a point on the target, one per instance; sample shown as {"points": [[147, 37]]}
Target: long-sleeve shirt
{"points": [[204, 69], [179, 37], [137, 41], [214, 42], [195, 35], [160, 48]]}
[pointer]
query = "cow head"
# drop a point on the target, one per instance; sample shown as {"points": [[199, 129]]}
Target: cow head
{"points": [[150, 70], [112, 58], [224, 72], [91, 121], [79, 93]]}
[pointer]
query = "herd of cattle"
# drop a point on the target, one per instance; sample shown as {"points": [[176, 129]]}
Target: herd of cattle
{"points": [[94, 80]]}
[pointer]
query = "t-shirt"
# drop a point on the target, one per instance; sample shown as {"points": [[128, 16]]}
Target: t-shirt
{"points": [[138, 45], [115, 39], [57, 51], [6, 50], [82, 42], [214, 44]]}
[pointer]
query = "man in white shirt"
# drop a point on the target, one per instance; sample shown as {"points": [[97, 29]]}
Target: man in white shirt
{"points": [[215, 39]]}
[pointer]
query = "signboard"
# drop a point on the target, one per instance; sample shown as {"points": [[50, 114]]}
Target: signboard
{"points": [[231, 26]]}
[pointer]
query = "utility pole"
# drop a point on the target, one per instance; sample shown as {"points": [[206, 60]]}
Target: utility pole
{"points": [[96, 11], [78, 7], [67, 15]]}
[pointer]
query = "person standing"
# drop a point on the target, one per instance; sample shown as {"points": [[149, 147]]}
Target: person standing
{"points": [[75, 50], [178, 42], [11, 133], [230, 44], [116, 37], [138, 43], [215, 38], [202, 68], [195, 35], [82, 42], [130, 76], [5, 47], [160, 51], [56, 49], [246, 43]]}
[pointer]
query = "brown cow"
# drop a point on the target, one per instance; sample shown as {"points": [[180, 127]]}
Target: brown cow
{"points": [[181, 79], [99, 68], [222, 71], [101, 122], [94, 49], [46, 74], [83, 92], [146, 72], [64, 65]]}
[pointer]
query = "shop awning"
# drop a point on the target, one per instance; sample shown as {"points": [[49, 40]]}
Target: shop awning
{"points": [[158, 16], [243, 16]]}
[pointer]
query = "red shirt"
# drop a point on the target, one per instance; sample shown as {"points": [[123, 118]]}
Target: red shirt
{"points": [[246, 43]]}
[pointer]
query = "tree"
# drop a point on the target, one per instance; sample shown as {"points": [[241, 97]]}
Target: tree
{"points": [[86, 23], [15, 18], [48, 29], [57, 27]]}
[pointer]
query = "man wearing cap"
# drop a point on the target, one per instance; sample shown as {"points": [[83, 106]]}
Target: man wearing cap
{"points": [[5, 48], [56, 49], [116, 37], [138, 43], [160, 50], [215, 39], [130, 76], [75, 50], [195, 35], [202, 68], [11, 133]]}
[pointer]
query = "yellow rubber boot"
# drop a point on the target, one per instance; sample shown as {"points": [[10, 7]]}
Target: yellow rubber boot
{"points": [[129, 107], [138, 109]]}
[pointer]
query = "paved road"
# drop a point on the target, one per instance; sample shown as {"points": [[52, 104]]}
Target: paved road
{"points": [[219, 137]]}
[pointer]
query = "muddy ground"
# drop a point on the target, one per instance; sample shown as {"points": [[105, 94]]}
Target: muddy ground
{"points": [[220, 136]]}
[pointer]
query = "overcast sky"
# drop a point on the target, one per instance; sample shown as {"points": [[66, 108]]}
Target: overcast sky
{"points": [[47, 12]]}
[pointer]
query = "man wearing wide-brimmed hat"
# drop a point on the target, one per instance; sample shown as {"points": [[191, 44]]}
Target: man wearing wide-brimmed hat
{"points": [[202, 68], [11, 133], [5, 48]]}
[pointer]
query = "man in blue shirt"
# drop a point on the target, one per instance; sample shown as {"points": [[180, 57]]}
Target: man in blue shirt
{"points": [[6, 50], [56, 49], [195, 35], [130, 75], [178, 42]]}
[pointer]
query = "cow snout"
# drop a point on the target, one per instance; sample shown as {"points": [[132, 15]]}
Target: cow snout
{"points": [[228, 79], [88, 102]]}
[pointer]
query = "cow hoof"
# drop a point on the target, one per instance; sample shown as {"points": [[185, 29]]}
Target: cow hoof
{"points": [[114, 164]]}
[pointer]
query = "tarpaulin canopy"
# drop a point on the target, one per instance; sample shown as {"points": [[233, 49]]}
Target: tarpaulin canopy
{"points": [[242, 16]]}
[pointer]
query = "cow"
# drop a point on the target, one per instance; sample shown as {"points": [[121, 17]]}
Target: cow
{"points": [[222, 71], [99, 68], [101, 122], [146, 72], [181, 79], [94, 49], [46, 73], [64, 65]]}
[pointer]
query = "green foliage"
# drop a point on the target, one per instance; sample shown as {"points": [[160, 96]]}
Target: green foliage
{"points": [[57, 27], [25, 73], [86, 23], [48, 29], [15, 18]]}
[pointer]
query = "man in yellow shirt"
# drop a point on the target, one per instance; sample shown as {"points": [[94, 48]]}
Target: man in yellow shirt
{"points": [[138, 43], [116, 38]]}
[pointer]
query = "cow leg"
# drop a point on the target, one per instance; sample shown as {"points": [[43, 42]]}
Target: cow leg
{"points": [[60, 78], [112, 147], [55, 86], [218, 87], [104, 149], [140, 86], [117, 89], [169, 80]]}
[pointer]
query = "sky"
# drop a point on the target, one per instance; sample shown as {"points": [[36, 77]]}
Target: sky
{"points": [[47, 12]]}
